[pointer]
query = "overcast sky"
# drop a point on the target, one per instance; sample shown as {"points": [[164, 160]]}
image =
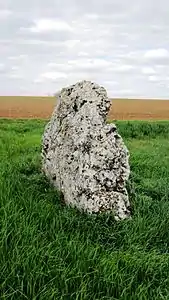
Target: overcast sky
{"points": [[48, 44]]}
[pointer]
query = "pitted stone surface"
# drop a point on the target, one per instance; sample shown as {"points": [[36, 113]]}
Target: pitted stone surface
{"points": [[84, 157]]}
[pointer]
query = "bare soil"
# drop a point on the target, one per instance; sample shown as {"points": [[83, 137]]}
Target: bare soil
{"points": [[121, 109]]}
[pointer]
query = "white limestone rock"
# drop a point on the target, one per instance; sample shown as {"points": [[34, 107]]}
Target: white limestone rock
{"points": [[84, 157]]}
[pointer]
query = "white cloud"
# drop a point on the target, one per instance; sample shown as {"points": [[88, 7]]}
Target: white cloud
{"points": [[38, 42], [53, 75], [46, 25], [38, 80], [14, 68], [15, 76], [148, 70], [18, 57], [53, 65], [71, 43], [153, 78], [122, 45], [109, 84], [2, 66], [92, 16], [124, 68], [89, 63], [82, 53], [157, 53], [58, 66], [124, 92], [5, 13]]}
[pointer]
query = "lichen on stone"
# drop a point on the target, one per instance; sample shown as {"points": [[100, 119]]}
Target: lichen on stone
{"points": [[83, 157]]}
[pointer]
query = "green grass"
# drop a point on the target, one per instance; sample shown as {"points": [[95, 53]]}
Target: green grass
{"points": [[49, 251]]}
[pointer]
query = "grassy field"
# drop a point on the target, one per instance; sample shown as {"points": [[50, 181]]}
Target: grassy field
{"points": [[121, 109], [49, 251]]}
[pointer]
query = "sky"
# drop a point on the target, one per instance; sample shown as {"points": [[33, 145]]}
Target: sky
{"points": [[122, 45]]}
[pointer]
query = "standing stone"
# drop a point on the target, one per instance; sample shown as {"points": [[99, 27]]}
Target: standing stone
{"points": [[84, 157]]}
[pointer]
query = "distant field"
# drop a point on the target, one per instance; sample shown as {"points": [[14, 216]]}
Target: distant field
{"points": [[122, 109]]}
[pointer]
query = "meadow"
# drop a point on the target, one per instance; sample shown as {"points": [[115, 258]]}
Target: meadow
{"points": [[50, 251]]}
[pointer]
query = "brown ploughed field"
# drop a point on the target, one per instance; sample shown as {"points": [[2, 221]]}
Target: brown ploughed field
{"points": [[121, 109]]}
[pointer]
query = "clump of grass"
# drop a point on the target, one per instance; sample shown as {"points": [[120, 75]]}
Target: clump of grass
{"points": [[50, 251], [141, 129]]}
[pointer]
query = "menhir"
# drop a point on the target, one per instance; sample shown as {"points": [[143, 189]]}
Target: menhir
{"points": [[84, 157]]}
